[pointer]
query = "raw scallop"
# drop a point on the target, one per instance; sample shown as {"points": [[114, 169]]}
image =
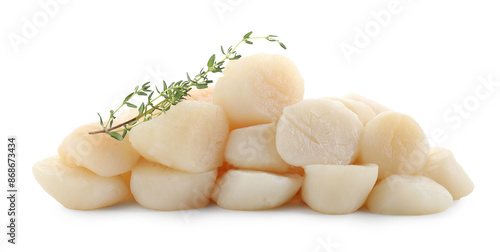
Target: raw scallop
{"points": [[338, 189], [77, 187], [442, 167], [189, 137], [99, 153], [255, 89], [408, 195], [318, 131], [158, 187], [254, 190], [254, 148], [396, 143]]}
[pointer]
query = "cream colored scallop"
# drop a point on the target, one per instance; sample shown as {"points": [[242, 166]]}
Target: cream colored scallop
{"points": [[254, 190], [338, 189], [254, 148], [364, 112], [158, 187], [255, 89], [318, 131], [77, 187], [408, 195], [377, 107], [99, 153], [442, 167], [396, 143], [190, 137]]}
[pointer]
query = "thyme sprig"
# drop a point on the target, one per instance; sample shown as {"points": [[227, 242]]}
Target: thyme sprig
{"points": [[172, 94]]}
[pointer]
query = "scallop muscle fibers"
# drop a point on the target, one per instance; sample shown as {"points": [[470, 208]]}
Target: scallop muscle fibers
{"points": [[318, 131], [255, 89], [396, 143], [189, 137]]}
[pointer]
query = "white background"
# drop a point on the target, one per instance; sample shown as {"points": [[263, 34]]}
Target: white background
{"points": [[426, 62]]}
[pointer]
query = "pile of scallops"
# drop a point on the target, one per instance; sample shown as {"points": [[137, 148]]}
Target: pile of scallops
{"points": [[251, 142]]}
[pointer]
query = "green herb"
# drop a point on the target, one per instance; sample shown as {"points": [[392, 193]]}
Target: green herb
{"points": [[170, 95]]}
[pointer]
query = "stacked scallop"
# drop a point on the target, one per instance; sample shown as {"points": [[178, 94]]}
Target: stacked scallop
{"points": [[252, 143]]}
